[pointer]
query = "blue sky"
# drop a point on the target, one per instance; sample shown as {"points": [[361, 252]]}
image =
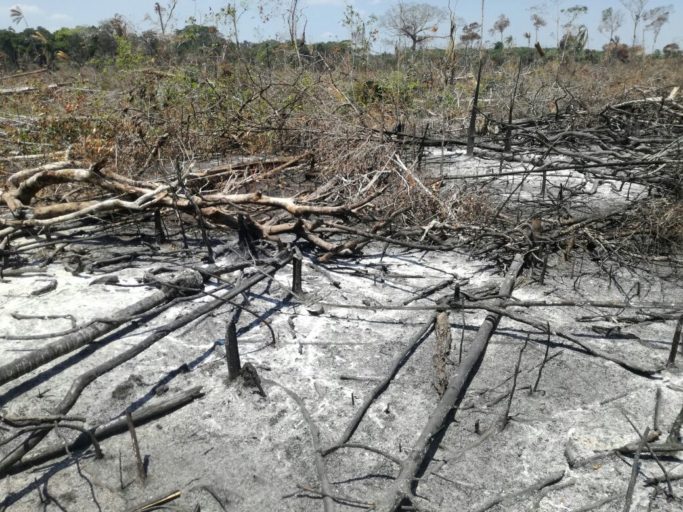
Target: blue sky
{"points": [[324, 16]]}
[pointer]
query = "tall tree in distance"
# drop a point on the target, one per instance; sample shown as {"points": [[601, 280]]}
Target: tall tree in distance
{"points": [[538, 23], [470, 33], [362, 31], [558, 15], [481, 35], [635, 9], [501, 25], [655, 19], [17, 15], [293, 16], [610, 22], [575, 36], [164, 14], [416, 22], [450, 58]]}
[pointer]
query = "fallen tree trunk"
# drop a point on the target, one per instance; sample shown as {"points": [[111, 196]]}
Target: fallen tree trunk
{"points": [[125, 195], [85, 379], [98, 328], [111, 428], [23, 186], [398, 362], [442, 415]]}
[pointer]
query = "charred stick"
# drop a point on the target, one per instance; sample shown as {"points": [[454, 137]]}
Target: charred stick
{"points": [[442, 350], [82, 337], [441, 416], [106, 430], [159, 227], [675, 342], [325, 487], [545, 358], [655, 414], [80, 383], [136, 447], [508, 131], [535, 487], [297, 288], [473, 115], [232, 351], [429, 291], [506, 416], [627, 365], [198, 212], [634, 471], [674, 436], [643, 440], [157, 503], [395, 366]]}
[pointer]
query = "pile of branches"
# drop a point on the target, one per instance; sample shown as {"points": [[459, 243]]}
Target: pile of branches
{"points": [[337, 217], [340, 200], [633, 148]]}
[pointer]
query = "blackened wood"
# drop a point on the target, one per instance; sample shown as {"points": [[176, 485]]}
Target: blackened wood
{"points": [[232, 351], [429, 291], [136, 447], [81, 382], [442, 415], [508, 131], [473, 115], [106, 430], [675, 342], [634, 472], [674, 436], [159, 227], [442, 351], [89, 333], [296, 276], [506, 416]]}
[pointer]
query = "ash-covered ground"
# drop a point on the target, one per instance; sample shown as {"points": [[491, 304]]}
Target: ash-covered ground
{"points": [[234, 449]]}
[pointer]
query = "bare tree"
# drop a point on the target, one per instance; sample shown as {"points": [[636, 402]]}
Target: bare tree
{"points": [[558, 12], [671, 50], [470, 33], [575, 37], [538, 22], [527, 36], [655, 19], [481, 33], [17, 15], [362, 30], [572, 14], [610, 22], [416, 22], [501, 25], [293, 16], [635, 9], [450, 55], [165, 14]]}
